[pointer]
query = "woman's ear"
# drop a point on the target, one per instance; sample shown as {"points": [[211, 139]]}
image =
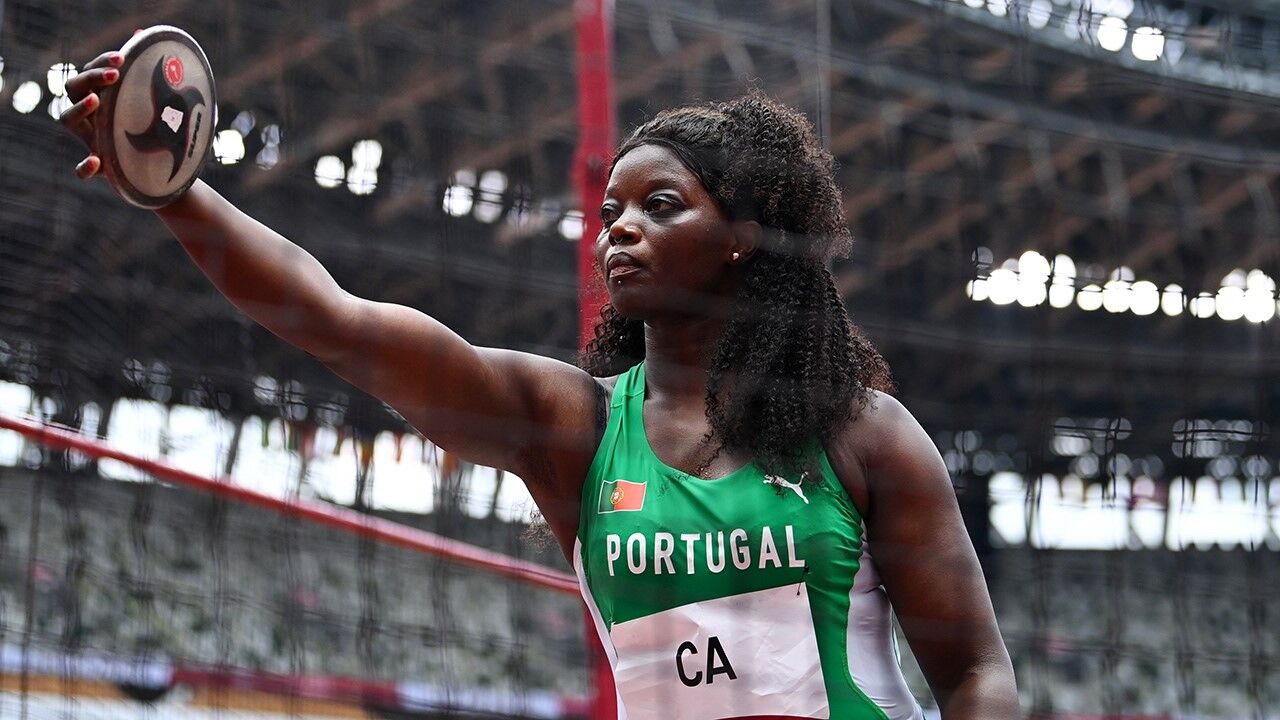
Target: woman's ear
{"points": [[746, 238]]}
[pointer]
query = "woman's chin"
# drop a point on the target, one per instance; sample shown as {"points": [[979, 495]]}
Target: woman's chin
{"points": [[635, 303], [645, 301], [628, 307]]}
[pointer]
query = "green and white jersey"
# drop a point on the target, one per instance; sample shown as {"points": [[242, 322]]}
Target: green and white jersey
{"points": [[746, 596]]}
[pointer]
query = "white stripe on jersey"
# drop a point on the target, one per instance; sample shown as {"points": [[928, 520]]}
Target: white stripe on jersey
{"points": [[873, 653]]}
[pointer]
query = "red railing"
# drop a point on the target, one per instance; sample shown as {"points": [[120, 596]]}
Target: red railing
{"points": [[341, 518], [322, 513]]}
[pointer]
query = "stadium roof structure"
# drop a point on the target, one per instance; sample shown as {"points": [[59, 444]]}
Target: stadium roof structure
{"points": [[967, 133]]}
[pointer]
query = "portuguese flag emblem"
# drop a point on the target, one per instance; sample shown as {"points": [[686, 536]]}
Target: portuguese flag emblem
{"points": [[618, 495]]}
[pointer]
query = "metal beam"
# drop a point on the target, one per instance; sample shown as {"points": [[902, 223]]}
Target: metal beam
{"points": [[110, 36], [628, 87], [292, 50], [429, 83], [1223, 201]]}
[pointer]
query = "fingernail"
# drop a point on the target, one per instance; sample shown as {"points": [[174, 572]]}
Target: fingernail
{"points": [[91, 101], [111, 75], [115, 58]]}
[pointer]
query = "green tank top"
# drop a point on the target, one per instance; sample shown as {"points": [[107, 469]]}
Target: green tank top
{"points": [[743, 596]]}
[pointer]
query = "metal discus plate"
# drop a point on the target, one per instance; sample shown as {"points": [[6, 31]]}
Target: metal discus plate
{"points": [[158, 120]]}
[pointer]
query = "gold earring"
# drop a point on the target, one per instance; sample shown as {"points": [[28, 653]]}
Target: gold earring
{"points": [[736, 256]]}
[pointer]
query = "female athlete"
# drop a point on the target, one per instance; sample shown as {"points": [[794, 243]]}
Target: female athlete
{"points": [[742, 501]]}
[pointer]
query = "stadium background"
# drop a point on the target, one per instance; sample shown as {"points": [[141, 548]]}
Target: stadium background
{"points": [[1067, 245]]}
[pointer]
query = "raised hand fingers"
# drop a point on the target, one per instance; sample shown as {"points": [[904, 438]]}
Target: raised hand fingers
{"points": [[99, 73], [73, 116], [83, 91]]}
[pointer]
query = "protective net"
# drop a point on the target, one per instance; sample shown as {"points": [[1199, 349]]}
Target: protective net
{"points": [[1067, 240], [244, 601], [154, 585]]}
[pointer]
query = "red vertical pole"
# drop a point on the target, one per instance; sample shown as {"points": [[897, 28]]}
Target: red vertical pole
{"points": [[594, 24]]}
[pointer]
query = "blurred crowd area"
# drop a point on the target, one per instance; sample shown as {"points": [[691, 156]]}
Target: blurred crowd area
{"points": [[1146, 632], [148, 570], [144, 569]]}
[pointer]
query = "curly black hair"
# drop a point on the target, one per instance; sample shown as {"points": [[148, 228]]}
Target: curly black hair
{"points": [[801, 369]]}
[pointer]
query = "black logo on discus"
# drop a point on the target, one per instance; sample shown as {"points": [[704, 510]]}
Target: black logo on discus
{"points": [[171, 111]]}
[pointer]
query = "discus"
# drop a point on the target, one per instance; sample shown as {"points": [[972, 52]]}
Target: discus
{"points": [[156, 123]]}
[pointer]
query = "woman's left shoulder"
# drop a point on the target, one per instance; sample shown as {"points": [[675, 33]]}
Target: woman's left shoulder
{"points": [[883, 435], [879, 420]]}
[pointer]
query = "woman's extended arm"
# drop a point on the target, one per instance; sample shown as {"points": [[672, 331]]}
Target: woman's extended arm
{"points": [[490, 406], [532, 415], [927, 563]]}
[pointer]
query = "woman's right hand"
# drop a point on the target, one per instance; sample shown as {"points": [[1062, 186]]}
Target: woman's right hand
{"points": [[82, 91]]}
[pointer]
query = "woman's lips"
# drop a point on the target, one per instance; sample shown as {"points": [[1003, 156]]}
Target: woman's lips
{"points": [[617, 272], [620, 264]]}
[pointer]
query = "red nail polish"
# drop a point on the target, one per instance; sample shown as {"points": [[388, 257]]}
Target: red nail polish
{"points": [[111, 75]]}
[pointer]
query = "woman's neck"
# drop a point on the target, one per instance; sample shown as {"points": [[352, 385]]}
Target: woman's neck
{"points": [[677, 354]]}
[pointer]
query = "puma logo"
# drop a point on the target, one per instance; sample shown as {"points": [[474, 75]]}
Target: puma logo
{"points": [[777, 481]]}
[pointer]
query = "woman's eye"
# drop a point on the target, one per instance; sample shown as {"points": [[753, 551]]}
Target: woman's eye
{"points": [[660, 205], [608, 215]]}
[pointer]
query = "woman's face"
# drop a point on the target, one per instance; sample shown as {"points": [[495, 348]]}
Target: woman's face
{"points": [[666, 245]]}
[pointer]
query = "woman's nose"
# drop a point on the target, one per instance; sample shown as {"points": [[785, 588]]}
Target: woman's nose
{"points": [[622, 230]]}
